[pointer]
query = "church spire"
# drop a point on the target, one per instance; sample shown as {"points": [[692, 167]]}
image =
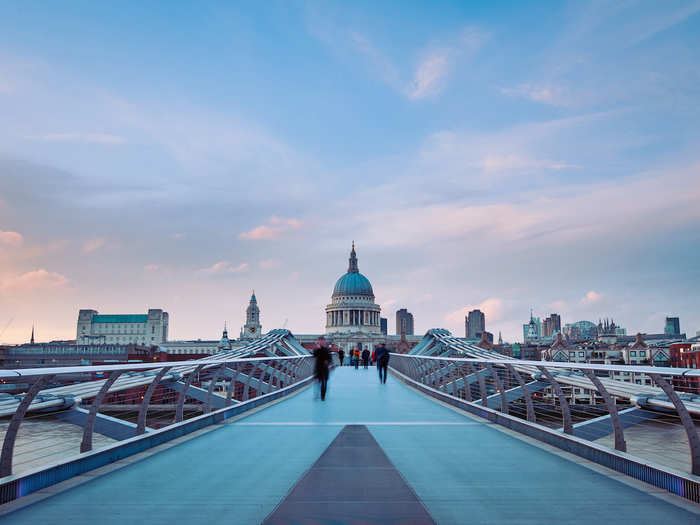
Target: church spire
{"points": [[32, 339], [352, 267]]}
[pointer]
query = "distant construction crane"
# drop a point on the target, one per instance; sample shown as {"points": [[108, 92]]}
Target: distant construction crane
{"points": [[8, 325]]}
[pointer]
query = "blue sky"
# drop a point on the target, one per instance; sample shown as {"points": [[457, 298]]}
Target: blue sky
{"points": [[503, 155]]}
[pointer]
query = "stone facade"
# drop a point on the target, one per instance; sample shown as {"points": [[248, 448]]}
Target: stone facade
{"points": [[143, 329], [352, 307], [252, 328]]}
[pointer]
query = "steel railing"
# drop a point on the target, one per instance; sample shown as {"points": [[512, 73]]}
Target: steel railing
{"points": [[70, 409], [595, 402]]}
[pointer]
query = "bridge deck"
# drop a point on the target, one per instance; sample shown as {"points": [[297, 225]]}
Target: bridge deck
{"points": [[461, 470]]}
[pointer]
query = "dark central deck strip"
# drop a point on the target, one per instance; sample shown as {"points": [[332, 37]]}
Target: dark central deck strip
{"points": [[352, 482]]}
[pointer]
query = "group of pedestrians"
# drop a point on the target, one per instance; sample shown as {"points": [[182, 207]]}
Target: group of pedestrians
{"points": [[322, 354]]}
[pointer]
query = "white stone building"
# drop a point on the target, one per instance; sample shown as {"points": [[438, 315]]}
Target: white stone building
{"points": [[142, 329]]}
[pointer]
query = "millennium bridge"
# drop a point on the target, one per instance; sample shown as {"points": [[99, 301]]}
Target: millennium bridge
{"points": [[458, 434]]}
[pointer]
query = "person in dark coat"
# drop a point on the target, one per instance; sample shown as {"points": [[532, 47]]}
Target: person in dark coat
{"points": [[365, 357], [323, 360], [382, 355], [341, 356]]}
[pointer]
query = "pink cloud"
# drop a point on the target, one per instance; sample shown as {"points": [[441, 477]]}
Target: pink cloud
{"points": [[270, 264], [557, 306], [151, 267], [591, 297], [33, 280], [93, 245], [492, 308], [98, 138], [387, 304], [223, 267], [11, 238], [272, 230]]}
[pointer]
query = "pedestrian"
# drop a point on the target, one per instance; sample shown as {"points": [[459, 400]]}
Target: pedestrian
{"points": [[382, 355], [356, 357], [365, 358], [341, 356], [323, 360]]}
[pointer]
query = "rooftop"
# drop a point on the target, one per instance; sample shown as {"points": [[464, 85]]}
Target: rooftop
{"points": [[120, 318]]}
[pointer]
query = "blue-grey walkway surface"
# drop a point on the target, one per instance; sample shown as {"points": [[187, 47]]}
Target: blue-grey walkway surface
{"points": [[461, 470]]}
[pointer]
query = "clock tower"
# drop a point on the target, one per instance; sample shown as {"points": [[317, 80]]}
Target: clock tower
{"points": [[252, 328]]}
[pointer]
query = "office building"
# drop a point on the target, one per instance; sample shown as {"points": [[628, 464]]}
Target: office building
{"points": [[551, 325], [673, 326], [404, 322], [474, 323]]}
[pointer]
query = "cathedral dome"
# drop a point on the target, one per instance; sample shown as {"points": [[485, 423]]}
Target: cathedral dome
{"points": [[352, 309], [353, 282]]}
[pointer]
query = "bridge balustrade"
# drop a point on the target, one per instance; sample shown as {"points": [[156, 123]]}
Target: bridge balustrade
{"points": [[56, 419], [629, 409]]}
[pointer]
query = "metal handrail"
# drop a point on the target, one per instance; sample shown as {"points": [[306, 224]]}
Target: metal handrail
{"points": [[686, 372], [173, 376], [439, 372]]}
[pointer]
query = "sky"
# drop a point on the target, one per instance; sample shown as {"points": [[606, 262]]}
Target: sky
{"points": [[502, 155]]}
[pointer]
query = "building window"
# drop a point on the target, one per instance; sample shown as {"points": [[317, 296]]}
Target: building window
{"points": [[633, 353]]}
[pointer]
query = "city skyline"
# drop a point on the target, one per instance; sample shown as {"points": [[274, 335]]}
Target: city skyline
{"points": [[221, 149]]}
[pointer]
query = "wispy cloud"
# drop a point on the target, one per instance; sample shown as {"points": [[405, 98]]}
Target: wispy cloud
{"points": [[275, 227], [492, 308], [432, 70], [224, 267], [270, 264], [559, 217], [96, 138], [492, 163], [591, 297], [427, 78], [93, 245], [8, 238], [151, 267], [387, 304], [429, 75], [178, 236], [33, 280], [380, 64], [545, 94]]}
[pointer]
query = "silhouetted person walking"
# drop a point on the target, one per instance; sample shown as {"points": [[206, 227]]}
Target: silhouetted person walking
{"points": [[341, 356], [323, 360], [382, 355], [365, 357]]}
